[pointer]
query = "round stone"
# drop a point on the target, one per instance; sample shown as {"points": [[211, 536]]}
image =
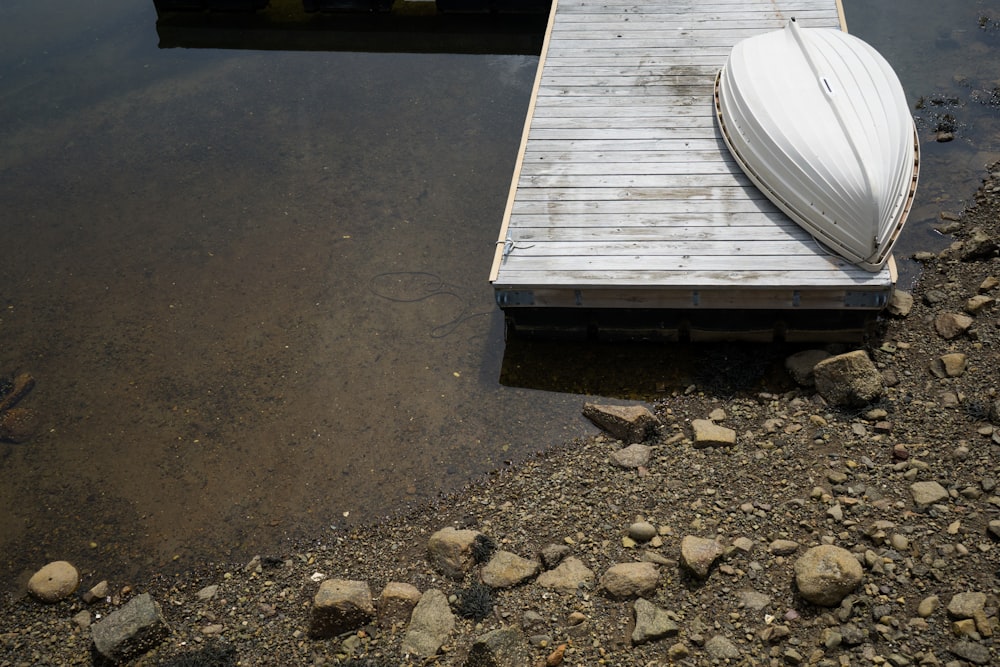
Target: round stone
{"points": [[826, 574], [54, 582], [642, 531]]}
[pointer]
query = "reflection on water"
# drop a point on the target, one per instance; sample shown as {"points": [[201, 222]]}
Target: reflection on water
{"points": [[940, 52], [252, 288], [252, 285]]}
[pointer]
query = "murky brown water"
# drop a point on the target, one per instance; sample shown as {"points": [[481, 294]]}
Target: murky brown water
{"points": [[252, 286]]}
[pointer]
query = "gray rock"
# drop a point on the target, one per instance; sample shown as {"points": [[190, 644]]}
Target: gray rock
{"points": [[975, 653], [979, 245], [928, 606], [699, 554], [629, 423], [754, 600], [628, 580], [849, 380], [826, 574], [952, 325], [951, 365], [55, 581], [928, 493], [98, 592], [208, 592], [651, 623], [978, 303], [450, 551], [504, 647], [967, 605], [709, 434], [642, 531], [632, 456], [430, 625], [900, 303], [507, 569], [130, 631], [721, 648], [783, 547], [801, 364], [340, 605], [567, 577], [396, 603], [553, 554]]}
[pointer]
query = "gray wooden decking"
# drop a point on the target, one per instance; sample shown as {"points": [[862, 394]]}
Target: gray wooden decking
{"points": [[624, 195]]}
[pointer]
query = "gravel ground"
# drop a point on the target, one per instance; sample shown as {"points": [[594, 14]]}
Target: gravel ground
{"points": [[801, 471]]}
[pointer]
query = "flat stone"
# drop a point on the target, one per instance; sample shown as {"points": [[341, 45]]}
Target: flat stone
{"points": [[632, 456], [55, 581], [978, 303], [928, 493], [507, 569], [430, 626], [783, 547], [826, 574], [754, 600], [721, 648], [504, 647], [699, 554], [629, 580], [651, 623], [130, 631], [966, 605], [208, 592], [567, 577], [629, 423], [950, 365], [340, 605], [709, 434], [952, 325], [975, 653]]}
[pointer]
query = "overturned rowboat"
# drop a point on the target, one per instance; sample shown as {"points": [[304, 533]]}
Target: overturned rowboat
{"points": [[817, 119]]}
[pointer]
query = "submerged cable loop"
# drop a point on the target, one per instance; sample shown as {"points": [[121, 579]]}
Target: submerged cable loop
{"points": [[432, 286]]}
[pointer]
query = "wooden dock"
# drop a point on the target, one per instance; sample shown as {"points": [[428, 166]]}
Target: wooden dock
{"points": [[626, 212]]}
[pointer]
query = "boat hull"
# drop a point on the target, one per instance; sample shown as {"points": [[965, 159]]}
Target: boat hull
{"points": [[818, 121]]}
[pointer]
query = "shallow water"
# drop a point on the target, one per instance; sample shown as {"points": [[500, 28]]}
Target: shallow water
{"points": [[252, 287]]}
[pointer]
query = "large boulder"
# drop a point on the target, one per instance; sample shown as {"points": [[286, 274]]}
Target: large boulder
{"points": [[849, 380]]}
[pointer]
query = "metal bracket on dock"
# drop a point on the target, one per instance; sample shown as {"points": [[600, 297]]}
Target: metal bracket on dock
{"points": [[515, 298], [872, 300]]}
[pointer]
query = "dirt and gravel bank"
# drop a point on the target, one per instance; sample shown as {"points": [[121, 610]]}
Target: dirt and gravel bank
{"points": [[801, 473]]}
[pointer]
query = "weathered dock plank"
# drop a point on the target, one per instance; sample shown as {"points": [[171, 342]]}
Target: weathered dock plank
{"points": [[624, 195]]}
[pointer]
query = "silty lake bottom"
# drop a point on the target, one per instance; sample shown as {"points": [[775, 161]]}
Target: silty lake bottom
{"points": [[251, 286]]}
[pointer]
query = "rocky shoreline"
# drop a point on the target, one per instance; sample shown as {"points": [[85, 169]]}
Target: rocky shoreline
{"points": [[852, 520]]}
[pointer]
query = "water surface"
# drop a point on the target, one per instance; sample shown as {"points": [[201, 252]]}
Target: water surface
{"points": [[252, 285]]}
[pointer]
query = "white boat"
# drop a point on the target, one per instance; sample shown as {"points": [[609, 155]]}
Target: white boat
{"points": [[817, 119]]}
